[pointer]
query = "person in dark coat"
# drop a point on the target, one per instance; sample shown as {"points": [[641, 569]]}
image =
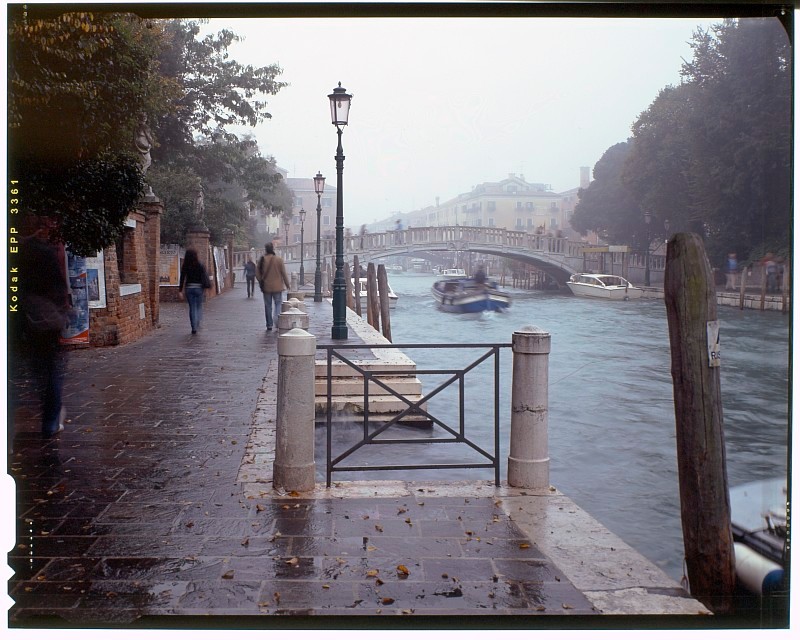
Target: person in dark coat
{"points": [[250, 275], [194, 279], [44, 307]]}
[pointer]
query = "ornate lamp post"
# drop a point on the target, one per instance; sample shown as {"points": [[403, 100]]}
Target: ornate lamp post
{"points": [[302, 257], [319, 187], [647, 218], [286, 230], [340, 109]]}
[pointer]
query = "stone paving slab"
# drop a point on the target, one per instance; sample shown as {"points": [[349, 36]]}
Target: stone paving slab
{"points": [[156, 502]]}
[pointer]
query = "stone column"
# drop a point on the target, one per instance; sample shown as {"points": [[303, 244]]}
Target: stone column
{"points": [[293, 468], [229, 247], [152, 208], [528, 462]]}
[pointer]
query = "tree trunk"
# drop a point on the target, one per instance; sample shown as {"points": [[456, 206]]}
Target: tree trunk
{"points": [[690, 298]]}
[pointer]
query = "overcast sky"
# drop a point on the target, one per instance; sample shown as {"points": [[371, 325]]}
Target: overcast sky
{"points": [[441, 105]]}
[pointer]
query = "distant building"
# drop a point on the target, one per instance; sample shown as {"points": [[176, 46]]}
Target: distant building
{"points": [[304, 197], [512, 203]]}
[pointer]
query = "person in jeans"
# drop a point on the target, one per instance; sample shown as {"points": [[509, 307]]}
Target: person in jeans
{"points": [[195, 281], [271, 276], [45, 303]]}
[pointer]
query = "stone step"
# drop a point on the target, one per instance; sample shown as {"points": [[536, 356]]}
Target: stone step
{"points": [[354, 405], [405, 385], [340, 369]]}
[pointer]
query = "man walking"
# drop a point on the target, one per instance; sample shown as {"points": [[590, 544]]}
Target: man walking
{"points": [[250, 276], [271, 276]]}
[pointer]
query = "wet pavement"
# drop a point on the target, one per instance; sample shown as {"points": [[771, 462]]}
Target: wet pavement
{"points": [[139, 510]]}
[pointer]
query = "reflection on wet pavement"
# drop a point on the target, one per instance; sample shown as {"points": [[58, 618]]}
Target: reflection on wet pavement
{"points": [[135, 510]]}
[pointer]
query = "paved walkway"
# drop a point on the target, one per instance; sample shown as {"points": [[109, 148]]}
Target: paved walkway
{"points": [[143, 507]]}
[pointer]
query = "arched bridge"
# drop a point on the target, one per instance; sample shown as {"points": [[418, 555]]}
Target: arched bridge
{"points": [[557, 257]]}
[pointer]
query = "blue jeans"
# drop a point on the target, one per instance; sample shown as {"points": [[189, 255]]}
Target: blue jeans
{"points": [[194, 296], [272, 298]]}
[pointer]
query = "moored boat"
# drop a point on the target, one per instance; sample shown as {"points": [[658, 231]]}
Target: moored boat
{"points": [[603, 285], [759, 528], [362, 287], [466, 295], [453, 273]]}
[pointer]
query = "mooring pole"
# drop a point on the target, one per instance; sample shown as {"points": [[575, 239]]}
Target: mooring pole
{"points": [[691, 303]]}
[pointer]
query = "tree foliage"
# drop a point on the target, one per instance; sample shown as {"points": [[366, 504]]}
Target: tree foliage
{"points": [[712, 154], [77, 83]]}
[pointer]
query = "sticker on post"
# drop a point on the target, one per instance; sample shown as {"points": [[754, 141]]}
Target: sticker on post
{"points": [[712, 333]]}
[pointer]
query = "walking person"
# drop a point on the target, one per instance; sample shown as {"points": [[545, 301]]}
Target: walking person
{"points": [[732, 266], [250, 276], [271, 276], [194, 279], [45, 303]]}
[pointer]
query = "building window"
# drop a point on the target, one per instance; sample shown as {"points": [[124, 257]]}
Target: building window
{"points": [[519, 223], [326, 202], [530, 223], [326, 220], [298, 202], [295, 219], [490, 222], [519, 206], [529, 206], [491, 206]]}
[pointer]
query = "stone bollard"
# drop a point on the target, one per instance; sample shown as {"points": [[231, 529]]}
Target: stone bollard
{"points": [[528, 460], [293, 468], [297, 303], [290, 319], [293, 281]]}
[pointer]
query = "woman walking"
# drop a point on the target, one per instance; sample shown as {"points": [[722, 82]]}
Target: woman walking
{"points": [[194, 279]]}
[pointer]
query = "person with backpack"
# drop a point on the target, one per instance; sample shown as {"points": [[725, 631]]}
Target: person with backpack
{"points": [[271, 276]]}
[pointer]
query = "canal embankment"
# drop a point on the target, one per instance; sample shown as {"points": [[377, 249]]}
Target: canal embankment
{"points": [[556, 545]]}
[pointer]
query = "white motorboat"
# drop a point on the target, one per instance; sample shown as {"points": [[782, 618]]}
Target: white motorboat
{"points": [[363, 293], [602, 285], [453, 273]]}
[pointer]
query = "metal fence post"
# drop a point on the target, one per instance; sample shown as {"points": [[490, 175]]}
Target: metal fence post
{"points": [[528, 460], [293, 468]]}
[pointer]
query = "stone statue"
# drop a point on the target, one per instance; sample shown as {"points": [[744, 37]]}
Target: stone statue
{"points": [[199, 202], [143, 139]]}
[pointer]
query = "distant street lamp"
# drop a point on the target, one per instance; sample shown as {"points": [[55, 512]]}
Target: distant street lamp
{"points": [[302, 257], [319, 187], [286, 230], [340, 109], [647, 218]]}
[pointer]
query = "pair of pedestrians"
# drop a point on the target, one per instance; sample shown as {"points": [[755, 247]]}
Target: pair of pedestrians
{"points": [[270, 274]]}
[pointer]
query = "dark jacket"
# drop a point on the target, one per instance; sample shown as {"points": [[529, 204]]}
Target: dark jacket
{"points": [[194, 274]]}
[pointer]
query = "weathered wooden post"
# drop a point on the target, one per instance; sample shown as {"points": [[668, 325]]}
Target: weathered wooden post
{"points": [[373, 313], [357, 284], [349, 283], [763, 285], [786, 285], [293, 468], [383, 299], [691, 304], [528, 460], [742, 287]]}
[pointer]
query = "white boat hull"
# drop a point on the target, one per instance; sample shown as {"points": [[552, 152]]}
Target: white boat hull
{"points": [[607, 293]]}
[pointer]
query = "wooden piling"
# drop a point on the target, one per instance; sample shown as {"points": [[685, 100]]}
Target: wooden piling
{"points": [[785, 285], [349, 281], [690, 298], [763, 285], [383, 299], [373, 313], [357, 285], [742, 287]]}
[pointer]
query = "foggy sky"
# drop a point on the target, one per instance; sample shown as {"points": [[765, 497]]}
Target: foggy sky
{"points": [[441, 105]]}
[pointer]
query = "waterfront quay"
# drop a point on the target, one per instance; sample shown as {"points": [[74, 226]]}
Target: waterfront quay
{"points": [[156, 506]]}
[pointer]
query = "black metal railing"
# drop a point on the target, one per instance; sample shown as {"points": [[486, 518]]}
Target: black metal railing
{"points": [[414, 408]]}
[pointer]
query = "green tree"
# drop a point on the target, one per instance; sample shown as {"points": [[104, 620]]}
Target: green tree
{"points": [[607, 206], [77, 84]]}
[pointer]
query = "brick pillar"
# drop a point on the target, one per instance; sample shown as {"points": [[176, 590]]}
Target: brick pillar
{"points": [[229, 258], [152, 208], [198, 238]]}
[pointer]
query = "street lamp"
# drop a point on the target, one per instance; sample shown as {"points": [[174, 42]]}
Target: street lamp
{"points": [[319, 187], [340, 109], [647, 218], [302, 261], [286, 230]]}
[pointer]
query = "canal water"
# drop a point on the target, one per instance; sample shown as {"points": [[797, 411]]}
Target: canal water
{"points": [[611, 422]]}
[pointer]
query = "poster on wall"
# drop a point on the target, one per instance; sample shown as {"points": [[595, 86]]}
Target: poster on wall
{"points": [[169, 265], [220, 268], [96, 281], [77, 331]]}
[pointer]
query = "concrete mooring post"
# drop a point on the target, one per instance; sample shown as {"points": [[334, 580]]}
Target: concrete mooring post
{"points": [[293, 468], [528, 460]]}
